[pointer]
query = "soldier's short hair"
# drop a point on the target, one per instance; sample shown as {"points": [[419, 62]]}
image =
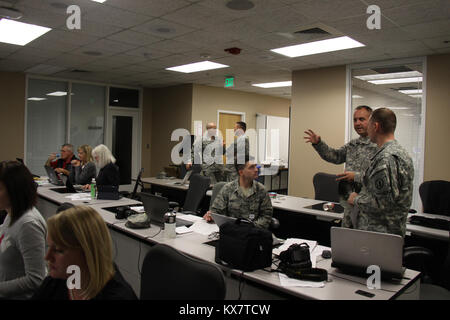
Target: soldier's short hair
{"points": [[386, 118], [367, 108], [242, 125]]}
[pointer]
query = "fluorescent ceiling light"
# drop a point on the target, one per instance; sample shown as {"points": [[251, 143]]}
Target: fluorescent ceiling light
{"points": [[197, 66], [399, 80], [36, 99], [57, 94], [20, 33], [399, 108], [411, 91], [273, 84], [316, 47], [416, 96], [355, 96], [99, 1], [392, 75]]}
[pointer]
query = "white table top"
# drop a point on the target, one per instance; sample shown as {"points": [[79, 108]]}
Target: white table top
{"points": [[170, 183]]}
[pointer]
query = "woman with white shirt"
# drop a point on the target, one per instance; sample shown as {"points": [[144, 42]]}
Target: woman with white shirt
{"points": [[22, 234]]}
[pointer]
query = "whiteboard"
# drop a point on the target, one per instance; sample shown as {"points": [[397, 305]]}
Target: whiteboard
{"points": [[273, 138]]}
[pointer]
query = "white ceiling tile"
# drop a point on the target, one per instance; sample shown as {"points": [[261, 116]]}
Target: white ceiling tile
{"points": [[105, 45], [154, 8], [427, 11], [329, 10], [163, 28], [115, 16], [173, 46], [438, 42], [96, 29], [133, 37], [429, 29]]}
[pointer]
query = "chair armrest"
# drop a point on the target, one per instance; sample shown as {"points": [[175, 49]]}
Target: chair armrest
{"points": [[417, 253], [274, 223]]}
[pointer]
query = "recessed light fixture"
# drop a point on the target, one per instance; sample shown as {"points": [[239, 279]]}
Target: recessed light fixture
{"points": [[273, 84], [57, 94], [316, 47], [99, 1], [36, 99], [399, 80], [416, 96], [399, 108], [197, 66], [20, 33], [355, 96], [415, 91], [392, 75]]}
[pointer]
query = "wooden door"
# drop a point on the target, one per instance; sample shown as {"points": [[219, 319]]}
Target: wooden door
{"points": [[227, 121]]}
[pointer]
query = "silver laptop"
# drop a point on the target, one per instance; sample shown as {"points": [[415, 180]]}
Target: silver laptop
{"points": [[52, 177], [354, 250]]}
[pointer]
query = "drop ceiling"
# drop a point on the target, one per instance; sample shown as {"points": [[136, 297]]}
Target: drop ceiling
{"points": [[138, 39]]}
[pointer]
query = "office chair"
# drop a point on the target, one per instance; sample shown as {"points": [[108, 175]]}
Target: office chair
{"points": [[168, 274], [326, 187], [435, 196], [198, 186], [215, 191], [133, 195]]}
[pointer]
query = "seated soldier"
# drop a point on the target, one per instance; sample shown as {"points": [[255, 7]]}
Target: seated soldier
{"points": [[244, 197]]}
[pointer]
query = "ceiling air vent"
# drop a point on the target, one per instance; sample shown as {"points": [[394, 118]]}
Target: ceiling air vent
{"points": [[392, 69], [312, 31]]}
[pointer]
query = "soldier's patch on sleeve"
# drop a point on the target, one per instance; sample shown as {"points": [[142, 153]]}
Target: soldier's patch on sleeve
{"points": [[380, 182]]}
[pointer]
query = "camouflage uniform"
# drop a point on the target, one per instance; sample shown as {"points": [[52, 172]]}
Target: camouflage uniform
{"points": [[214, 170], [256, 206], [356, 154], [229, 170], [386, 196]]}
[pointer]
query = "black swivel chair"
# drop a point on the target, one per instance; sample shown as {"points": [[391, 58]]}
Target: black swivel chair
{"points": [[168, 274], [435, 196], [326, 187], [134, 195], [198, 185]]}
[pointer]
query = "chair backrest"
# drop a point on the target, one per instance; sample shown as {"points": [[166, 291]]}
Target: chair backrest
{"points": [[326, 187], [138, 183], [435, 196], [215, 191], [168, 274], [197, 190]]}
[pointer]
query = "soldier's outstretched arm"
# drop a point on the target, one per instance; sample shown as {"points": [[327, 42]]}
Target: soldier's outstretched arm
{"points": [[336, 156]]}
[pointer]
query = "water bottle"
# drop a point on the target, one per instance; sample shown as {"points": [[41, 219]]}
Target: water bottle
{"points": [[93, 189], [169, 225]]}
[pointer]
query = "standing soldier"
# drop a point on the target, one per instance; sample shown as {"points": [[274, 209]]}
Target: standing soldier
{"points": [[356, 154], [237, 151], [386, 196], [204, 149]]}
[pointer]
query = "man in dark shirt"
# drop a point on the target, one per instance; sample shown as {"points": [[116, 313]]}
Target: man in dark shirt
{"points": [[63, 164]]}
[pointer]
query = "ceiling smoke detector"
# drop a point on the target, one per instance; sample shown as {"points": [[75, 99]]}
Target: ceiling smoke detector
{"points": [[240, 5], [10, 13]]}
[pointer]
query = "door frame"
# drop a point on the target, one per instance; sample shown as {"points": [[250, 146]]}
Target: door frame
{"points": [[136, 137], [219, 111]]}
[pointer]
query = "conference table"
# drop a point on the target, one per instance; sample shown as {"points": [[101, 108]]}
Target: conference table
{"points": [[131, 245], [291, 205]]}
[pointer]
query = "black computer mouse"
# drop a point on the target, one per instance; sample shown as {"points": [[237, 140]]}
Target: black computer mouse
{"points": [[326, 254]]}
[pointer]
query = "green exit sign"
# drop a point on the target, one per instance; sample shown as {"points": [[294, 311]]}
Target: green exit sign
{"points": [[229, 82]]}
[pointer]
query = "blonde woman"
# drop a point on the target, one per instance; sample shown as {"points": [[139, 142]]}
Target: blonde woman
{"points": [[83, 170], [79, 237]]}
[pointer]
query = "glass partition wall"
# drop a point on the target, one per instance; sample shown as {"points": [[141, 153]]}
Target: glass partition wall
{"points": [[400, 87], [60, 111]]}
